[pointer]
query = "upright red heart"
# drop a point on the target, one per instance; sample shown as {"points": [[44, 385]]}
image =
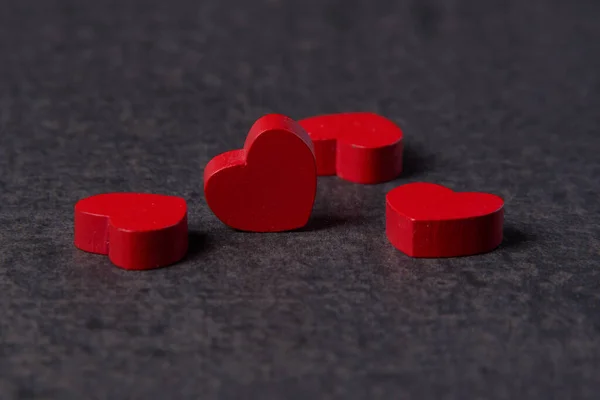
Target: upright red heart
{"points": [[135, 230], [270, 184], [428, 220], [360, 147]]}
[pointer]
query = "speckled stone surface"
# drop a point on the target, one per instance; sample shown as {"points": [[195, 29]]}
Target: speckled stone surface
{"points": [[497, 96]]}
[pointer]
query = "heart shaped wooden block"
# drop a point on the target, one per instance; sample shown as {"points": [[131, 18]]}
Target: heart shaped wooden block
{"points": [[428, 220], [270, 184], [136, 230], [360, 147]]}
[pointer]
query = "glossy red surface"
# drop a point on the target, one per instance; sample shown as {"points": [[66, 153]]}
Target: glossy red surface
{"points": [[136, 230], [428, 220], [359, 147], [270, 184]]}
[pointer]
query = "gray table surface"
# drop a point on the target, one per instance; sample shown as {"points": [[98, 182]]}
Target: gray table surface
{"points": [[496, 96]]}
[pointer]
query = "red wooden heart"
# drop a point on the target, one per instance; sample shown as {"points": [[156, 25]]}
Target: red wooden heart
{"points": [[135, 230], [428, 220], [270, 184], [360, 147]]}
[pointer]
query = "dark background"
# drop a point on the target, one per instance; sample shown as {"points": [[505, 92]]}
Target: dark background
{"points": [[497, 96]]}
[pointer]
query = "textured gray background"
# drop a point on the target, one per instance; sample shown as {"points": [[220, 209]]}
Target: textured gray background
{"points": [[498, 96]]}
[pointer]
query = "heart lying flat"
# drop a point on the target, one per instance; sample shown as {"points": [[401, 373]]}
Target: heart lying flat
{"points": [[136, 230], [428, 220], [359, 147]]}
